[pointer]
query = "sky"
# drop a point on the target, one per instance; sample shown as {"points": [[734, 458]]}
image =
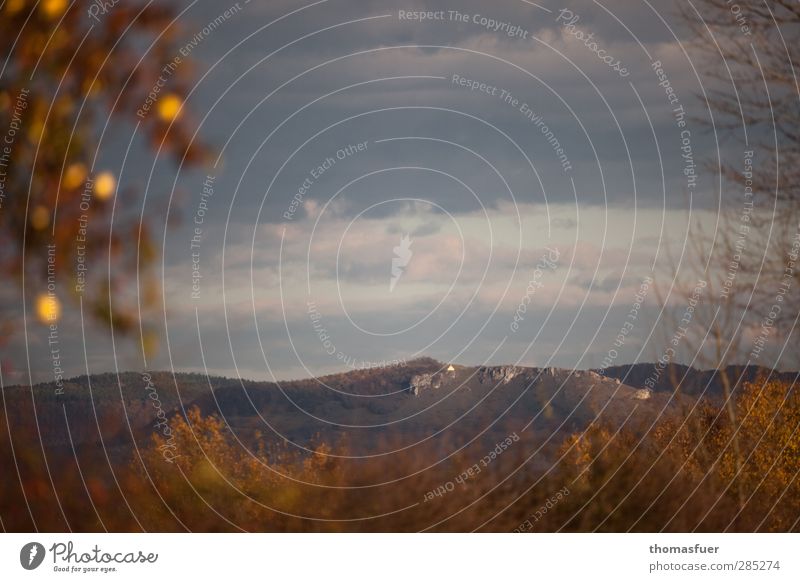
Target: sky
{"points": [[496, 184]]}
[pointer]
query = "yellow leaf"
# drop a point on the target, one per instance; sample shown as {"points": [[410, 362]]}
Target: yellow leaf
{"points": [[105, 185], [74, 176], [169, 107], [40, 218], [48, 308], [53, 8]]}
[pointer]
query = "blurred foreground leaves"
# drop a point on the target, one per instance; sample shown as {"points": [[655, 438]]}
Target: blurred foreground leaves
{"points": [[67, 81]]}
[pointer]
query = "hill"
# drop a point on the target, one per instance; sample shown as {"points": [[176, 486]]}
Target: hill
{"points": [[413, 402]]}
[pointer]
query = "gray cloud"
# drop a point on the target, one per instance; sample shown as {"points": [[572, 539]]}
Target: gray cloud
{"points": [[467, 154]]}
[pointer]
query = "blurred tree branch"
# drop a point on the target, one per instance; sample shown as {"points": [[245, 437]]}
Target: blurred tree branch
{"points": [[63, 77]]}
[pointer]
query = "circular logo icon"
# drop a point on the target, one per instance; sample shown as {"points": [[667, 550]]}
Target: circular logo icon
{"points": [[31, 555]]}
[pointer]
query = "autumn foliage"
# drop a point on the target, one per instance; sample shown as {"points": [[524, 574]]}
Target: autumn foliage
{"points": [[680, 476]]}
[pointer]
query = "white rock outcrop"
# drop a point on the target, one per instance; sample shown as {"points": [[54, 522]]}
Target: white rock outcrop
{"points": [[422, 382], [501, 374]]}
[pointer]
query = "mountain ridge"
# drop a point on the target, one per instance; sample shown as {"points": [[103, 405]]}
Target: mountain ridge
{"points": [[409, 402]]}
